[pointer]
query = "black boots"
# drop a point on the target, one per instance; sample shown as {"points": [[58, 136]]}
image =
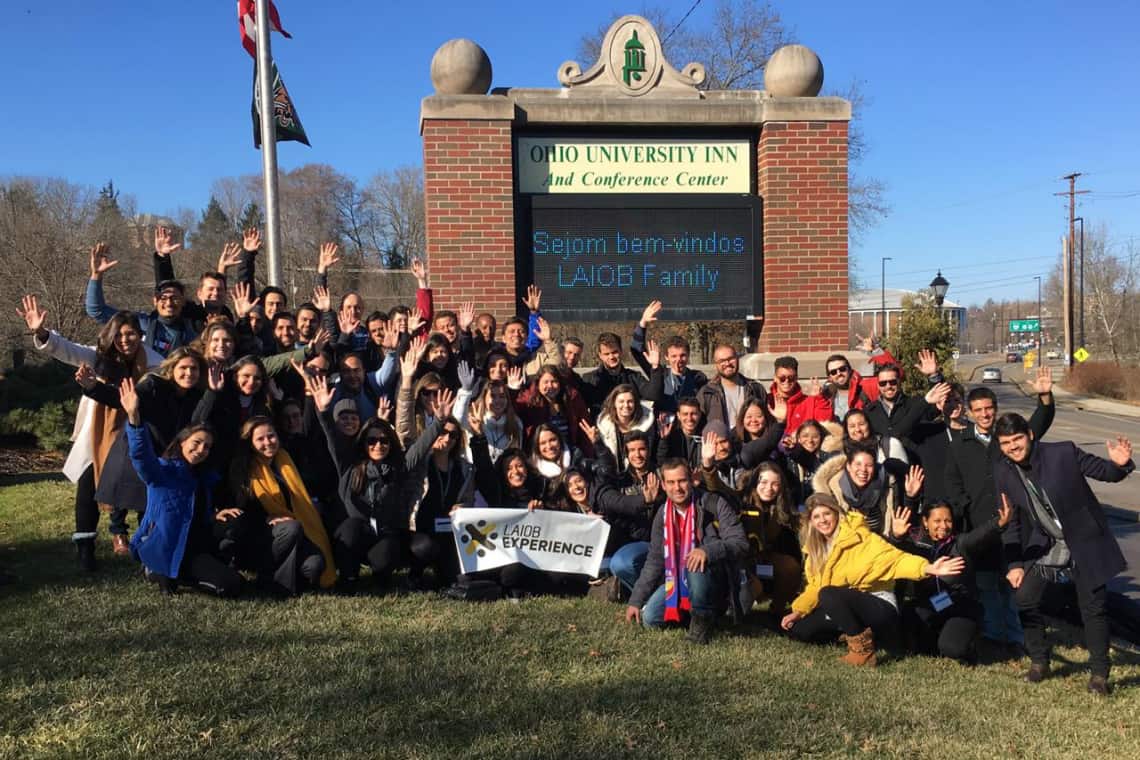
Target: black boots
{"points": [[700, 629], [85, 554]]}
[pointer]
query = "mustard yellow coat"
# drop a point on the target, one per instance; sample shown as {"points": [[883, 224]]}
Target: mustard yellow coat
{"points": [[859, 559]]}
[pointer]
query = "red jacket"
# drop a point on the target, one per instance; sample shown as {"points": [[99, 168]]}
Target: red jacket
{"points": [[865, 390], [534, 410], [801, 408]]}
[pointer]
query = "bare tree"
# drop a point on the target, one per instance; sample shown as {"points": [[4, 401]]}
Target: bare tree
{"points": [[397, 198]]}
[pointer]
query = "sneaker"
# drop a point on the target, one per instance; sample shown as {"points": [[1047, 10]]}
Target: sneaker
{"points": [[1037, 672], [1098, 685], [700, 629]]}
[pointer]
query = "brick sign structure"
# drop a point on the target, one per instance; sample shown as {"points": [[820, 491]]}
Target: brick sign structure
{"points": [[630, 183]]}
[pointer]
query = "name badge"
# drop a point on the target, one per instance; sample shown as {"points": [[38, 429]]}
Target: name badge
{"points": [[941, 601], [443, 525], [764, 571]]}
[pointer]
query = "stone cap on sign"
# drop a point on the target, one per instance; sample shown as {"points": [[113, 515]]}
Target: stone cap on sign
{"points": [[631, 83]]}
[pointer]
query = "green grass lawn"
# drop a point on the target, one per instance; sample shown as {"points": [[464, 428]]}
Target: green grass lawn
{"points": [[103, 666]]}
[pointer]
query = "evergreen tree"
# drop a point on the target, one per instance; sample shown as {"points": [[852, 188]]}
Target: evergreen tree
{"points": [[251, 217], [214, 230], [923, 325]]}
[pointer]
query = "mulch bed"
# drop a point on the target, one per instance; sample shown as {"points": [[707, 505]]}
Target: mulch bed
{"points": [[20, 460]]}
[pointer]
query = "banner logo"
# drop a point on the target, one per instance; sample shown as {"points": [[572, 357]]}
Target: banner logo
{"points": [[479, 538]]}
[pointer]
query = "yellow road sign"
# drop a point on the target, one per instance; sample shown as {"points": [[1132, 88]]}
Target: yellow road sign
{"points": [[1081, 354]]}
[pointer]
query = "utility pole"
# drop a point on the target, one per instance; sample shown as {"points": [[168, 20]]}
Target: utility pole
{"points": [[1081, 280], [1068, 264], [886, 331]]}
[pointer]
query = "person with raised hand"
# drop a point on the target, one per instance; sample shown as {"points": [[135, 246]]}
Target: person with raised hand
{"points": [[546, 401], [850, 573], [627, 498], [164, 328], [670, 380], [118, 353], [1059, 535], [181, 531], [943, 616]]}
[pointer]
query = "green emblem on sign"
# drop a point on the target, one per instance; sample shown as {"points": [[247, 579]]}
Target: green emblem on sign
{"points": [[634, 60]]}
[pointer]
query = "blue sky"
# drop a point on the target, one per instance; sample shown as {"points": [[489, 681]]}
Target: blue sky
{"points": [[976, 108]]}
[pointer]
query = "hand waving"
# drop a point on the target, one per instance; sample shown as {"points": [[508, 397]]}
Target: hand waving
{"points": [[327, 257], [1043, 383], [101, 260], [251, 239], [533, 297], [1119, 451], [649, 314], [33, 315], [164, 244], [927, 362]]}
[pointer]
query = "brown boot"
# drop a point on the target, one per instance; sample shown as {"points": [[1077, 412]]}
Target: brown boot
{"points": [[860, 649], [120, 545]]}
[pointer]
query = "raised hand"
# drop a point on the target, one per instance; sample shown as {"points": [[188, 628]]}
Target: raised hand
{"points": [[441, 403], [466, 374], [653, 351], [321, 298], [814, 388], [215, 377], [590, 430], [327, 257], [1119, 451], [475, 416], [779, 408], [319, 389], [1043, 383], [241, 298], [164, 244], [415, 321], [251, 239], [867, 343], [651, 488], [101, 260], [533, 297], [937, 395], [231, 256], [33, 315], [384, 409], [649, 314], [466, 315], [543, 331], [927, 362], [914, 479], [420, 272], [1005, 512], [347, 321], [664, 424], [708, 449], [900, 522], [320, 339], [944, 566], [515, 378], [129, 400], [411, 359], [85, 376], [391, 339]]}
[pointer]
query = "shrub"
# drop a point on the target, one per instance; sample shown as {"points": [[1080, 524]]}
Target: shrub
{"points": [[1099, 379], [50, 424]]}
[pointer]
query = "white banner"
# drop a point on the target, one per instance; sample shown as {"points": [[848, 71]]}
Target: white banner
{"points": [[563, 542]]}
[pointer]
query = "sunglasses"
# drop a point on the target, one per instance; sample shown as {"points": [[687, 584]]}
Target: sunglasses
{"points": [[785, 378], [839, 370], [451, 432], [379, 442], [888, 383]]}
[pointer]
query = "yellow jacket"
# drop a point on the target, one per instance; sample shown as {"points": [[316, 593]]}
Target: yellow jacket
{"points": [[859, 559]]}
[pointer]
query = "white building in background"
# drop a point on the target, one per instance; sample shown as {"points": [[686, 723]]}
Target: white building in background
{"points": [[865, 311]]}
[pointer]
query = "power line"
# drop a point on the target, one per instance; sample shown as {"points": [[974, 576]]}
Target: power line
{"points": [[683, 19]]}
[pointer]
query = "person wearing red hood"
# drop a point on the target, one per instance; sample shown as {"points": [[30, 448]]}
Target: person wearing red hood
{"points": [[801, 407], [846, 388]]}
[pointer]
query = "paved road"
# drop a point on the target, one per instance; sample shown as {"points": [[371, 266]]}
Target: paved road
{"points": [[1089, 430]]}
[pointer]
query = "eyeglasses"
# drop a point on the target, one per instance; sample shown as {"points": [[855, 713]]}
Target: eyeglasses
{"points": [[451, 432], [888, 383], [726, 360], [173, 297], [785, 378], [379, 442], [839, 370]]}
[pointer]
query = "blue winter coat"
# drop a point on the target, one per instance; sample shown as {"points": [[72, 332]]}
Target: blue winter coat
{"points": [[171, 486]]}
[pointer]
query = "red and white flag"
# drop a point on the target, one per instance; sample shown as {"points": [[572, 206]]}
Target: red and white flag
{"points": [[247, 24]]}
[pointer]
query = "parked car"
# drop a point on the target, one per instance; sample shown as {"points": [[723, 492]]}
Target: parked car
{"points": [[1012, 357], [991, 375], [1052, 354]]}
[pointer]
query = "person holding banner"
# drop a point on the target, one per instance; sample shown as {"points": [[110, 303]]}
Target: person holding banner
{"points": [[696, 540]]}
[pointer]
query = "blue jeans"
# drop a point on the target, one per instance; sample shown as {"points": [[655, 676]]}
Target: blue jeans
{"points": [[702, 597], [1000, 620], [626, 562]]}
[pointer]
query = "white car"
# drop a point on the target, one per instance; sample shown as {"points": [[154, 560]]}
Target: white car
{"points": [[1052, 354], [991, 375]]}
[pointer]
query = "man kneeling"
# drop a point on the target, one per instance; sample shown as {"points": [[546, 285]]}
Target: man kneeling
{"points": [[695, 541]]}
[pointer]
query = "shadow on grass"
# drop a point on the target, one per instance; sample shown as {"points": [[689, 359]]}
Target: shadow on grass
{"points": [[32, 477]]}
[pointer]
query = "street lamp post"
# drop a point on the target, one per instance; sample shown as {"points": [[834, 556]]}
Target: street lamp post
{"points": [[1081, 219], [883, 294], [1040, 323], [939, 285]]}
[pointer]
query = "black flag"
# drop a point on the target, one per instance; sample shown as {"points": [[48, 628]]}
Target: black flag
{"points": [[287, 123]]}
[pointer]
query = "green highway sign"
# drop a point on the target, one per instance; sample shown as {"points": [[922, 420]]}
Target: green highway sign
{"points": [[1024, 325]]}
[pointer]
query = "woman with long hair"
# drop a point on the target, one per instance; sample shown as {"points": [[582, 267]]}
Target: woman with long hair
{"points": [[169, 400], [850, 574], [624, 412], [548, 401], [283, 525], [771, 523], [500, 423], [862, 485], [118, 353], [180, 532], [805, 452]]}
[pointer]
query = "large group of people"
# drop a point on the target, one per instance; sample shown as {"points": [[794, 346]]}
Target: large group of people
{"points": [[289, 447]]}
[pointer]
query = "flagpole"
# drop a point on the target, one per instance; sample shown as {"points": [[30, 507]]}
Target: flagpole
{"points": [[268, 143]]}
